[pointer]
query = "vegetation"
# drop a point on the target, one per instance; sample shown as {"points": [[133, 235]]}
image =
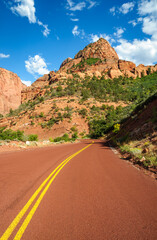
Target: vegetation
{"points": [[9, 134], [65, 138]]}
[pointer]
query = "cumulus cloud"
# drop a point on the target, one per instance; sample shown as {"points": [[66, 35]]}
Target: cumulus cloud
{"points": [[124, 8], [147, 7], [144, 51], [36, 65], [148, 12], [27, 83], [26, 8], [2, 55]]}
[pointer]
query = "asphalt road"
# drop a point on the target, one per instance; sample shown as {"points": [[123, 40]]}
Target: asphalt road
{"points": [[93, 195]]}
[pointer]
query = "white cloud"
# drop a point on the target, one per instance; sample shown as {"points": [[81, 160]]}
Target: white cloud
{"points": [[147, 7], [148, 12], [75, 6], [113, 10], [36, 66], [92, 4], [91, 37], [72, 6], [27, 83], [96, 37], [138, 51], [142, 51], [78, 7], [124, 8], [74, 19], [76, 31], [150, 26], [133, 22], [2, 55], [119, 32], [46, 30], [26, 8]]}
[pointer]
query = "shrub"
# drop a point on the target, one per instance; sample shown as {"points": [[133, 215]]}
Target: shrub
{"points": [[74, 129], [74, 136], [50, 139], [83, 112], [10, 134], [33, 137]]}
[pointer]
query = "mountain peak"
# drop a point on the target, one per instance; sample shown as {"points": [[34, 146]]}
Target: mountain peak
{"points": [[100, 49]]}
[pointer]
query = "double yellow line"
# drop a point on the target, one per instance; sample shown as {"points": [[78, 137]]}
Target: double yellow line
{"points": [[28, 218]]}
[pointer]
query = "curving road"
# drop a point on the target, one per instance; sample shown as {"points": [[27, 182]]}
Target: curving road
{"points": [[77, 191]]}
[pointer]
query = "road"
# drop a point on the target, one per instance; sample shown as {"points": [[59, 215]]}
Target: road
{"points": [[93, 195]]}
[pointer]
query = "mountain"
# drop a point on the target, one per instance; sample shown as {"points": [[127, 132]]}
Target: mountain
{"points": [[97, 59], [87, 95], [10, 91]]}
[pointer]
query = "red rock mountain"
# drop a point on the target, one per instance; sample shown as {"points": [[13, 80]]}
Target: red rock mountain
{"points": [[10, 91], [96, 59]]}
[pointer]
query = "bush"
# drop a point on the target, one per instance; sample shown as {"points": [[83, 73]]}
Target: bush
{"points": [[83, 112], [64, 138], [74, 136], [33, 137], [10, 134], [97, 128]]}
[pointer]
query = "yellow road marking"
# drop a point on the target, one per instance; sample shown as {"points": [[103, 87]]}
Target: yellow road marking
{"points": [[17, 219]]}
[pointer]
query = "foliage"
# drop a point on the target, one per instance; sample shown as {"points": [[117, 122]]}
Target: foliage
{"points": [[64, 138], [83, 112], [9, 134], [116, 128], [33, 137]]}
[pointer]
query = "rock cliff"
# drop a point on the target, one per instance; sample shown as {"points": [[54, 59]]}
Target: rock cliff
{"points": [[10, 91]]}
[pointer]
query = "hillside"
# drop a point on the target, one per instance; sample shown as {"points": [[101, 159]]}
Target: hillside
{"points": [[85, 98], [137, 137]]}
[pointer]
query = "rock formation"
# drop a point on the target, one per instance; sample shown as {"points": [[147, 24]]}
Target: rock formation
{"points": [[10, 91], [96, 59]]}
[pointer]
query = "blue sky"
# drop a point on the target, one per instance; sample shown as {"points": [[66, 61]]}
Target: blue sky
{"points": [[36, 36]]}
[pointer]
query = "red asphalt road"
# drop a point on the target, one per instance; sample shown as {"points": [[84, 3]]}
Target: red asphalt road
{"points": [[96, 196]]}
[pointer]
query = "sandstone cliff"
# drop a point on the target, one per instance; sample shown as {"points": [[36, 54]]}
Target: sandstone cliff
{"points": [[10, 91], [96, 59]]}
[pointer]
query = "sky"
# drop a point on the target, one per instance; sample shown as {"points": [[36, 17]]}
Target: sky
{"points": [[37, 36]]}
